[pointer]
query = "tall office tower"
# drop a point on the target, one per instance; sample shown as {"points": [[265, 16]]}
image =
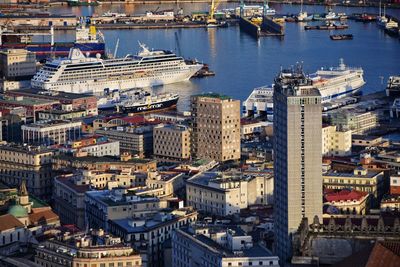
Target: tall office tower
{"points": [[297, 156], [216, 127]]}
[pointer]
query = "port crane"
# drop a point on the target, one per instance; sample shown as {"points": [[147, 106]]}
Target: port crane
{"points": [[214, 4]]}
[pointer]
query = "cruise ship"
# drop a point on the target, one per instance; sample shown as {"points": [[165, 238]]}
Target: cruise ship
{"points": [[333, 84], [80, 74]]}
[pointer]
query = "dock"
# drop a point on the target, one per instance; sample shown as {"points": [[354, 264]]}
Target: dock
{"points": [[267, 28]]}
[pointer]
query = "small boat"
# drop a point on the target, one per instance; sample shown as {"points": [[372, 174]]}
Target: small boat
{"points": [[336, 37], [328, 26]]}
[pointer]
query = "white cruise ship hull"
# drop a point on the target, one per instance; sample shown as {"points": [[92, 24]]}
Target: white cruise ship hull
{"points": [[98, 87]]}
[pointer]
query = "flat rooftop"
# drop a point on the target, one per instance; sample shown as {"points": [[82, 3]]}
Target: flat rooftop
{"points": [[25, 149], [214, 95], [27, 101], [49, 94], [370, 174]]}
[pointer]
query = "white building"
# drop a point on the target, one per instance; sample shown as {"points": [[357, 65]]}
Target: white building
{"points": [[227, 193], [218, 247], [334, 142], [51, 132]]}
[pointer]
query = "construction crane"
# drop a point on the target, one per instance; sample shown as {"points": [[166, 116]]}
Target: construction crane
{"points": [[214, 5]]}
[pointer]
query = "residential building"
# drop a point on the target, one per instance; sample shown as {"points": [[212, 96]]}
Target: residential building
{"points": [[69, 101], [358, 122], [69, 191], [32, 105], [132, 139], [171, 142], [389, 159], [250, 128], [96, 146], [17, 64], [297, 157], [216, 127], [12, 231], [149, 233], [85, 250], [226, 193], [164, 184], [33, 164], [51, 132], [118, 203], [395, 184], [369, 141], [68, 162], [334, 142], [214, 246], [369, 181], [390, 203], [346, 202]]}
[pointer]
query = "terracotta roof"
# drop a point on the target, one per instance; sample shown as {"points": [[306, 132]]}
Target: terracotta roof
{"points": [[345, 195], [9, 222], [43, 217], [383, 256]]}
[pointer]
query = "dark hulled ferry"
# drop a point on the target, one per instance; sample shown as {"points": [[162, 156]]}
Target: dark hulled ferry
{"points": [[140, 103]]}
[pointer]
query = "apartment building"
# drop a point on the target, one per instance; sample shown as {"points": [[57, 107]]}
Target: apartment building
{"points": [[17, 64], [148, 234], [215, 246], [334, 142], [83, 250], [227, 193], [216, 127], [171, 142], [32, 164]]}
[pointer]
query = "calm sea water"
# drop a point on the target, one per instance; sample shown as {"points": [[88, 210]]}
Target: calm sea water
{"points": [[242, 62]]}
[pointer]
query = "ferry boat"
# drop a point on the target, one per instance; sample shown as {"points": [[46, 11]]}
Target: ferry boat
{"points": [[88, 40], [142, 101], [333, 83], [80, 74]]}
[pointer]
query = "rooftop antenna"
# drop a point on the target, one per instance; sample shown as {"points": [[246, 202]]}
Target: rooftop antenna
{"points": [[116, 48]]}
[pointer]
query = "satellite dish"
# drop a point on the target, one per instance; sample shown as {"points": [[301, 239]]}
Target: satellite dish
{"points": [[98, 56]]}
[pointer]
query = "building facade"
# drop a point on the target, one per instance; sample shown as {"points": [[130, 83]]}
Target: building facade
{"points": [[17, 64], [334, 142], [83, 250], [369, 181], [297, 157], [148, 234], [226, 193], [216, 127], [51, 132], [171, 142], [118, 203], [33, 164], [206, 246]]}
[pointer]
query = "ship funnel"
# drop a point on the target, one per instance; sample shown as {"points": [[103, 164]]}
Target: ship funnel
{"points": [[75, 53]]}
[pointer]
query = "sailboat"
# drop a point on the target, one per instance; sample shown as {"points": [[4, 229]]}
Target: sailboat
{"points": [[303, 16], [382, 19]]}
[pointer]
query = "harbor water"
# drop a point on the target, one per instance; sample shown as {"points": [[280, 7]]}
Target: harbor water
{"points": [[242, 62]]}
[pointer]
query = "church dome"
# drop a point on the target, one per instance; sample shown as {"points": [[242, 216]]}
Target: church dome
{"points": [[18, 211]]}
